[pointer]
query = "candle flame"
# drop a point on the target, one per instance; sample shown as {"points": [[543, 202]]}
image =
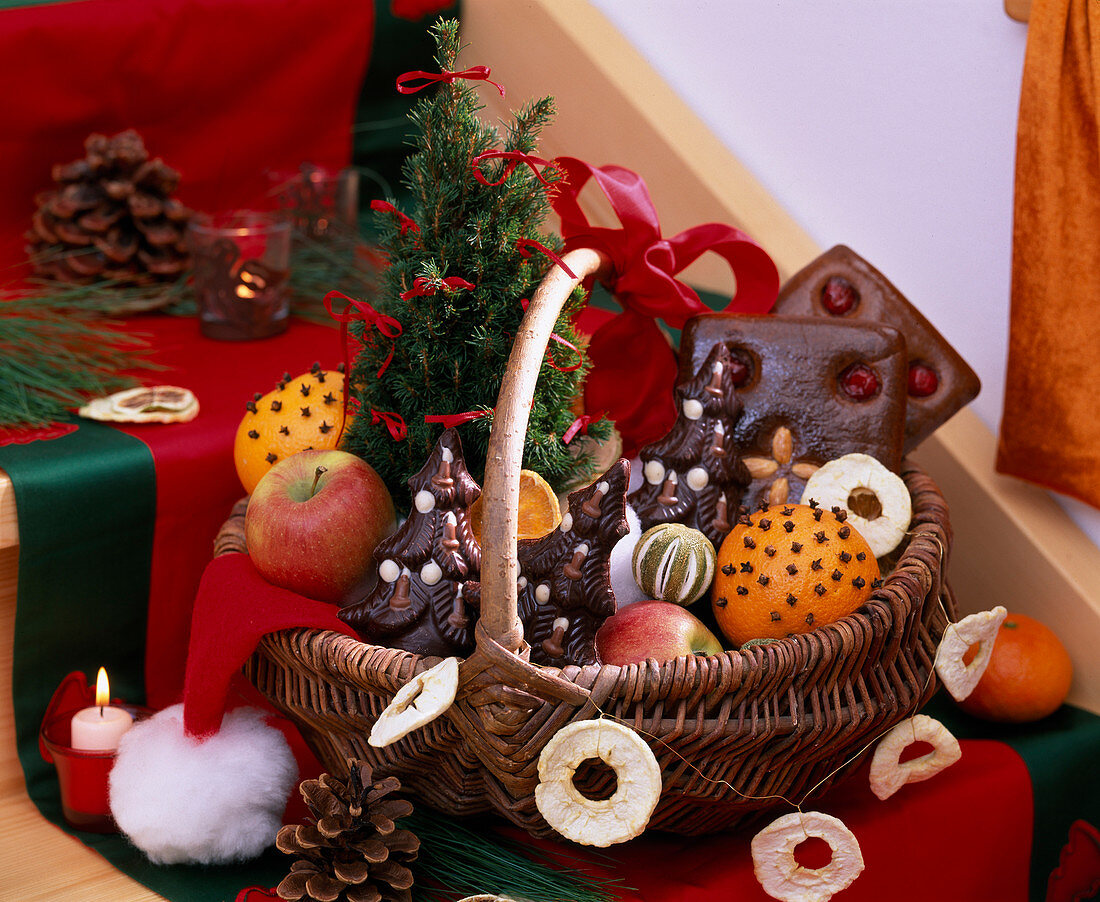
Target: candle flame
{"points": [[102, 688]]}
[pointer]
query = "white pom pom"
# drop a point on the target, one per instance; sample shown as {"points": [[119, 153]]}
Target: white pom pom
{"points": [[621, 560], [180, 800]]}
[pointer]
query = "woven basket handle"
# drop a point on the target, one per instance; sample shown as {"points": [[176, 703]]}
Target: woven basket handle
{"points": [[499, 564]]}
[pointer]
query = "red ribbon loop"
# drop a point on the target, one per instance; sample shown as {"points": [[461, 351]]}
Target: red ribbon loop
{"points": [[474, 73], [449, 420], [526, 245], [580, 424], [633, 365], [385, 324], [394, 422], [514, 158], [423, 286], [407, 224]]}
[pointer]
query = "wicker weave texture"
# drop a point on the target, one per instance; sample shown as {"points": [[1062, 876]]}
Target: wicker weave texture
{"points": [[734, 734]]}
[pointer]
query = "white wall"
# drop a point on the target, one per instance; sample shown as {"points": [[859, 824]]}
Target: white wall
{"points": [[885, 125]]}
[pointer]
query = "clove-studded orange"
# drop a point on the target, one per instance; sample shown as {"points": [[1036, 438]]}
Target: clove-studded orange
{"points": [[302, 413], [787, 569]]}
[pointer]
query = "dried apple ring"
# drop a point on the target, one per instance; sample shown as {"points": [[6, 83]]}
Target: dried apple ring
{"points": [[598, 822], [876, 500], [958, 677], [780, 873], [889, 774], [420, 701]]}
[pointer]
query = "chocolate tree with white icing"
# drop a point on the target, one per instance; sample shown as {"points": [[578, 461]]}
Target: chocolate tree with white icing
{"points": [[694, 474], [421, 602], [565, 576]]}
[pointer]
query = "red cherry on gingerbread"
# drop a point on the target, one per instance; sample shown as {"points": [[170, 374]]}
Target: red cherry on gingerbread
{"points": [[922, 380], [859, 382], [839, 296]]}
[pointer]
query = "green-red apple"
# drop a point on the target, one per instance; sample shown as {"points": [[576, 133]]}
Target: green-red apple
{"points": [[313, 522], [653, 629]]}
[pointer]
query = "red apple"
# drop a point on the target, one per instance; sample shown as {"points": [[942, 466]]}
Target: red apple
{"points": [[313, 522], [653, 629]]}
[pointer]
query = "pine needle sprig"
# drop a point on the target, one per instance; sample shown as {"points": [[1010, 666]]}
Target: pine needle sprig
{"points": [[54, 358], [456, 342], [456, 860]]}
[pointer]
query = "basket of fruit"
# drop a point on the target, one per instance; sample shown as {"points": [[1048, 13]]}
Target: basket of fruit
{"points": [[693, 744]]}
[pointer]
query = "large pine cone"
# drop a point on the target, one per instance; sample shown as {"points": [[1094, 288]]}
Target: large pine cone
{"points": [[112, 216], [353, 851]]}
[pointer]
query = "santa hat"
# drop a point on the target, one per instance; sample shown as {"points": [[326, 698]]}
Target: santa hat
{"points": [[195, 783]]}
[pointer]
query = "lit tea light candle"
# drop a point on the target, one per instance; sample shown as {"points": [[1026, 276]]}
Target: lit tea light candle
{"points": [[100, 727]]}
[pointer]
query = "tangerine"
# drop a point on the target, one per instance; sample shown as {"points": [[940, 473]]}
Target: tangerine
{"points": [[790, 568], [1028, 675], [538, 508], [301, 414]]}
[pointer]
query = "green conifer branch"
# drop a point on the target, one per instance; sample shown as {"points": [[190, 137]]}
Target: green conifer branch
{"points": [[455, 344]]}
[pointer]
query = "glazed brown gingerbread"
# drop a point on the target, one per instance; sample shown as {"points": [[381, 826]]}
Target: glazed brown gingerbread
{"points": [[842, 286], [812, 390]]}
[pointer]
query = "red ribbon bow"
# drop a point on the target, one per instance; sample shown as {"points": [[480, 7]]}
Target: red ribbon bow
{"points": [[474, 73], [580, 424], [632, 362], [423, 286], [449, 420], [514, 158], [407, 224], [394, 422]]}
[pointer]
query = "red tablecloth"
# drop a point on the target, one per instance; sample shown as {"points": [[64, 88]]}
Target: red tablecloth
{"points": [[225, 91]]}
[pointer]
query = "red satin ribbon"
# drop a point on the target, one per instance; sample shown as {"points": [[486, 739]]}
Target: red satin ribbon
{"points": [[633, 367], [580, 424], [423, 286], [526, 245], [394, 422], [474, 73], [385, 324], [455, 419], [514, 158], [407, 224]]}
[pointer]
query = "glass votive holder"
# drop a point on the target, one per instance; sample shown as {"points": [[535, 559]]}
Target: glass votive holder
{"points": [[82, 774], [321, 203], [242, 264]]}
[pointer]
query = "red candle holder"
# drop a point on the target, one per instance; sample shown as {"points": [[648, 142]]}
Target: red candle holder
{"points": [[82, 774]]}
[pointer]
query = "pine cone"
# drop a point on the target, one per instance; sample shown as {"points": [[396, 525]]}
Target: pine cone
{"points": [[353, 851], [112, 216]]}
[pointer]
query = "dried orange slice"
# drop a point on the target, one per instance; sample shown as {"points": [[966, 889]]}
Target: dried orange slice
{"points": [[538, 508]]}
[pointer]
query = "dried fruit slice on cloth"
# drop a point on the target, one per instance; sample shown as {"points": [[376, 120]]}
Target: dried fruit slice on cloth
{"points": [[146, 404], [889, 773], [959, 677], [539, 511], [598, 822], [780, 873], [416, 704]]}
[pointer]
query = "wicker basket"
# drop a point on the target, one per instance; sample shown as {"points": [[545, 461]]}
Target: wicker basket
{"points": [[734, 734]]}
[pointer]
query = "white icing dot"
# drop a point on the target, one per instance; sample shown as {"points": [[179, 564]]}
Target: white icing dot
{"points": [[654, 472], [431, 573], [692, 409], [697, 478], [521, 583], [388, 570], [560, 623], [447, 456], [424, 501], [603, 487], [566, 522], [542, 593]]}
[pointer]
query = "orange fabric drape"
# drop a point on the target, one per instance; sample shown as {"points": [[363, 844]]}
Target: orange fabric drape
{"points": [[1050, 430]]}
